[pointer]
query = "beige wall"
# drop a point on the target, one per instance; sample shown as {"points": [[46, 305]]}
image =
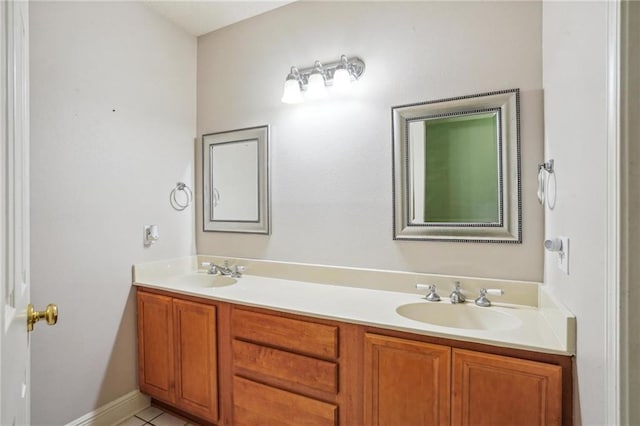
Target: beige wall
{"points": [[331, 160], [575, 84], [112, 126]]}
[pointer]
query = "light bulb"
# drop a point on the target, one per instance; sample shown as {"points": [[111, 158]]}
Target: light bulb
{"points": [[341, 80], [292, 93], [316, 88]]}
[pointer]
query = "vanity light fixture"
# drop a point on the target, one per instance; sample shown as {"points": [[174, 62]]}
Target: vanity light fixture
{"points": [[342, 76], [313, 81], [292, 87], [316, 88]]}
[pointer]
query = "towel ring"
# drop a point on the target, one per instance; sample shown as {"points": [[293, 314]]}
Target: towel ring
{"points": [[177, 205], [546, 172]]}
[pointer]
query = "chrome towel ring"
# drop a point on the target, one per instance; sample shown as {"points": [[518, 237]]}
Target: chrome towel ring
{"points": [[547, 177], [188, 196]]}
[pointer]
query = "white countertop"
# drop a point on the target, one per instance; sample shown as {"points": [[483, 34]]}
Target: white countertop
{"points": [[548, 328]]}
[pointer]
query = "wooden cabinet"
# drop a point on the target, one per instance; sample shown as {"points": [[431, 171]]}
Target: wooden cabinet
{"points": [[177, 353], [285, 369], [291, 371], [406, 382], [418, 383], [258, 404], [155, 346], [498, 390], [196, 358]]}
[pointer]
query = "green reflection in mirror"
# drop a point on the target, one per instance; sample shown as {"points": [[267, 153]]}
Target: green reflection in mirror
{"points": [[460, 170]]}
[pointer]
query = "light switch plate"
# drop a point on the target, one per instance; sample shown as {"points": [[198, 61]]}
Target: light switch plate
{"points": [[563, 255]]}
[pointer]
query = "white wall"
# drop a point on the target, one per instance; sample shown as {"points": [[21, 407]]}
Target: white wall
{"points": [[112, 127], [631, 210], [574, 70], [331, 160]]}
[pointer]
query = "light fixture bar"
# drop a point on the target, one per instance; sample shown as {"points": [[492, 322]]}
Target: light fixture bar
{"points": [[312, 81], [355, 66]]}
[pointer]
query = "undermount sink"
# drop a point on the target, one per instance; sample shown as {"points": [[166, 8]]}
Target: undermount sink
{"points": [[203, 280], [463, 315]]}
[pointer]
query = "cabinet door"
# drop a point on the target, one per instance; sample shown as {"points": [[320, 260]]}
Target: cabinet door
{"points": [[155, 346], [406, 382], [499, 390], [196, 358]]}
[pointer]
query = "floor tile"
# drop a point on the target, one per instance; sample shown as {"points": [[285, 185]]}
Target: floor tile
{"points": [[132, 421], [167, 419], [149, 413]]}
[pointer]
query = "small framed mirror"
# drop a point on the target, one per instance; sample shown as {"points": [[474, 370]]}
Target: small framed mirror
{"points": [[456, 169], [236, 180]]}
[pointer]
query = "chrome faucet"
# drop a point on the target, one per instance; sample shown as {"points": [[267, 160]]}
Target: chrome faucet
{"points": [[432, 296], [225, 270], [236, 272], [213, 268], [456, 295], [483, 300]]}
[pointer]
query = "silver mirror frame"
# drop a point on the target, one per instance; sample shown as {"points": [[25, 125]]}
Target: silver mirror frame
{"points": [[263, 224], [509, 228]]}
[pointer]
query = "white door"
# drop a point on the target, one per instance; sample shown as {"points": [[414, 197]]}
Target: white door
{"points": [[14, 208]]}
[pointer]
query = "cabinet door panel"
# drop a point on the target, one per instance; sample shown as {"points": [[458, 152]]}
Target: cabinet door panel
{"points": [[406, 382], [196, 358], [155, 346], [498, 390], [257, 404]]}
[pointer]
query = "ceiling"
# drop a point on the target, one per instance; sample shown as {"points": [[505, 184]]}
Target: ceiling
{"points": [[201, 17]]}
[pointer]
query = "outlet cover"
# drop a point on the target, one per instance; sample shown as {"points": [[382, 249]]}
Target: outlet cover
{"points": [[563, 255]]}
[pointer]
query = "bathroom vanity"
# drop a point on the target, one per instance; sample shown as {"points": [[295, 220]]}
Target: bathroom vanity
{"points": [[277, 351]]}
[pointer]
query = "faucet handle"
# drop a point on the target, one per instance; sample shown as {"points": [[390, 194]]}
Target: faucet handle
{"points": [[432, 296], [238, 271], [213, 269], [483, 301]]}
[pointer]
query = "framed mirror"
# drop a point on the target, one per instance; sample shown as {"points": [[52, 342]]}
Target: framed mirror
{"points": [[236, 180], [456, 169]]}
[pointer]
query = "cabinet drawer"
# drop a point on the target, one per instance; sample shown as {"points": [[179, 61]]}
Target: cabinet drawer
{"points": [[296, 335], [297, 370], [257, 404]]}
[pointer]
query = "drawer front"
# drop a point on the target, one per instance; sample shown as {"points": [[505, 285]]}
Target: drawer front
{"points": [[296, 335], [257, 404], [287, 368]]}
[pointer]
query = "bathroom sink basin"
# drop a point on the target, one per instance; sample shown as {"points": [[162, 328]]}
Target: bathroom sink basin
{"points": [[464, 315], [203, 280]]}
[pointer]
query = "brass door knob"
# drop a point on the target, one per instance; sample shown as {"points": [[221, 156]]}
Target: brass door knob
{"points": [[50, 315]]}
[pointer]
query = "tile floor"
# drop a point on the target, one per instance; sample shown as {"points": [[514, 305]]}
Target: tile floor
{"points": [[153, 416]]}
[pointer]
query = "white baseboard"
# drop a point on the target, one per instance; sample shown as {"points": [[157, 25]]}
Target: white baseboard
{"points": [[114, 412]]}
